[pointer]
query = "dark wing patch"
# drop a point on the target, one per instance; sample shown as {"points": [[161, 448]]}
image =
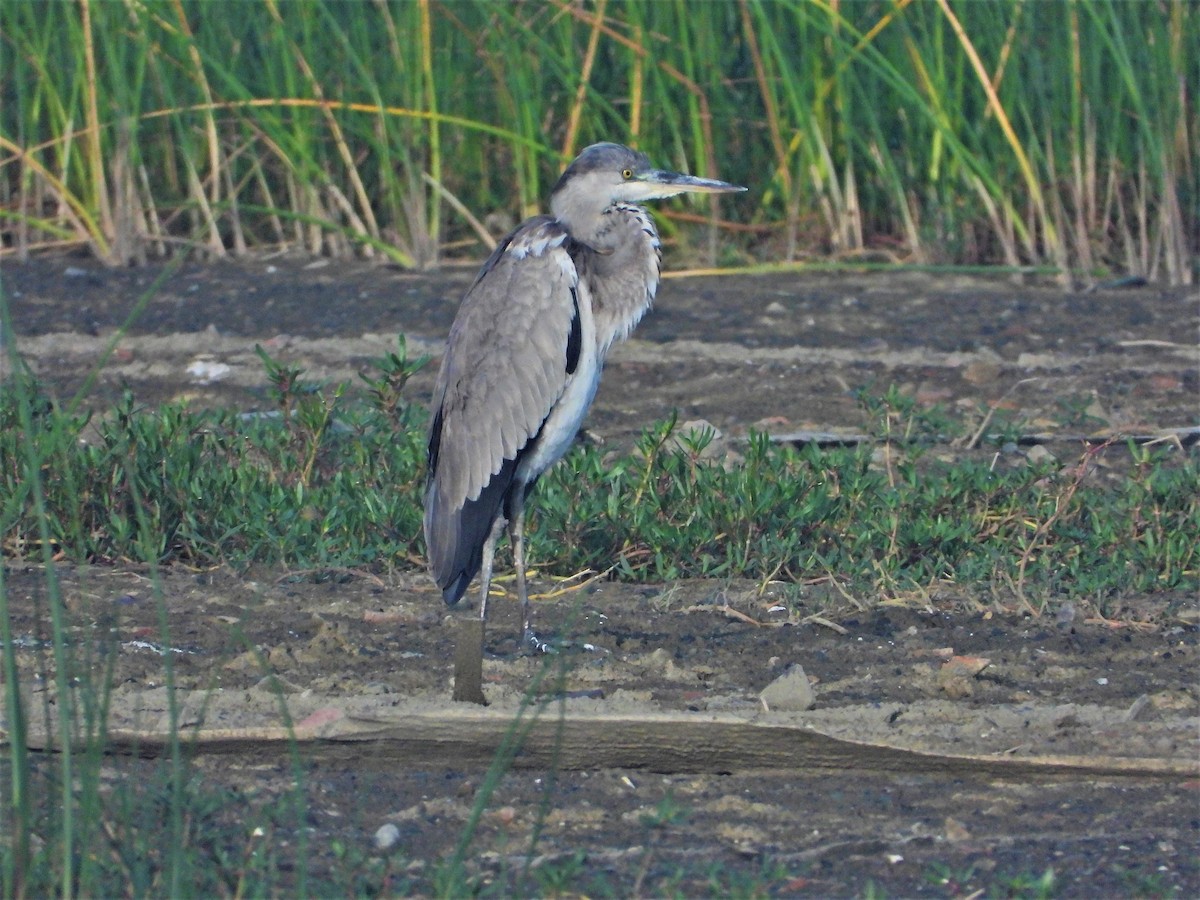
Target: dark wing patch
{"points": [[575, 338], [477, 518], [475, 523], [435, 444]]}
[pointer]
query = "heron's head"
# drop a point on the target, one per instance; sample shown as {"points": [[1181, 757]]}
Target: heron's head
{"points": [[604, 174]]}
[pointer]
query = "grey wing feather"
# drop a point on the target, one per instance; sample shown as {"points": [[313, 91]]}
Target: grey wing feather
{"points": [[504, 369]]}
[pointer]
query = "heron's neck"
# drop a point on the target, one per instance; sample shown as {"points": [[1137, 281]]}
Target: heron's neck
{"points": [[586, 223], [621, 268]]}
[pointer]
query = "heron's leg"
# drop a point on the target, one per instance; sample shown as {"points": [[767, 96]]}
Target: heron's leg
{"points": [[516, 534], [485, 568]]}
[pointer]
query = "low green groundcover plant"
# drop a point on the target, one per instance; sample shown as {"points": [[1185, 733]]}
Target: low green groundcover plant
{"points": [[327, 481]]}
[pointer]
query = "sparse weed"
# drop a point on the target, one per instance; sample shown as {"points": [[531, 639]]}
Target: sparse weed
{"points": [[323, 482], [897, 417], [562, 877], [668, 814], [999, 426], [1145, 884], [1018, 531], [956, 882], [1033, 887], [770, 876], [386, 386], [1075, 413]]}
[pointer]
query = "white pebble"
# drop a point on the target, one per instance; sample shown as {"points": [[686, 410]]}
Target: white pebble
{"points": [[386, 836]]}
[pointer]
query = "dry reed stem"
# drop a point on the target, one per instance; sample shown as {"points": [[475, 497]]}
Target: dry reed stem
{"points": [[783, 169], [74, 208], [99, 198], [575, 116], [1050, 232], [671, 71], [366, 220], [433, 225]]}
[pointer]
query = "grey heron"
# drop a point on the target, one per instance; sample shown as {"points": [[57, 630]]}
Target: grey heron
{"points": [[525, 353]]}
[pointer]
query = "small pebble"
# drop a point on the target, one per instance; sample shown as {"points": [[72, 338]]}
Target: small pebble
{"points": [[207, 371], [957, 675], [1039, 454], [790, 691], [956, 831], [386, 837]]}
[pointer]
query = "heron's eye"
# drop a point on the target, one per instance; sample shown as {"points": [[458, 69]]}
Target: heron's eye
{"points": [[627, 174]]}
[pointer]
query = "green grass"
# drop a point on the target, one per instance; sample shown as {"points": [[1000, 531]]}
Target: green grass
{"points": [[1052, 135], [330, 482], [957, 883]]}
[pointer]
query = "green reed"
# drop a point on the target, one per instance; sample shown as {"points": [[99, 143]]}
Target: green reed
{"points": [[1045, 134]]}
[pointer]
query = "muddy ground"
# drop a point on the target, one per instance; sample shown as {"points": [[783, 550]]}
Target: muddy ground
{"points": [[1082, 736]]}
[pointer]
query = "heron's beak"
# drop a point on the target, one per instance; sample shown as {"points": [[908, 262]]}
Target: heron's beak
{"points": [[668, 184]]}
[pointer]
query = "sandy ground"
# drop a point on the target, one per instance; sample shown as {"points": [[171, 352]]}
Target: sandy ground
{"points": [[949, 749]]}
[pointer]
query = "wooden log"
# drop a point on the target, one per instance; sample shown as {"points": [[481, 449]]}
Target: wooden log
{"points": [[465, 736]]}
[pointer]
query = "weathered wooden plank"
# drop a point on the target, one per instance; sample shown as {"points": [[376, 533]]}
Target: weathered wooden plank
{"points": [[469, 737]]}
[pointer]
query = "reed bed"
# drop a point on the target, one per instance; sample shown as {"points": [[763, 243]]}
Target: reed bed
{"points": [[1060, 136]]}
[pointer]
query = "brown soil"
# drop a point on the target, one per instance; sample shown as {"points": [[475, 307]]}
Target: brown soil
{"points": [[1083, 735]]}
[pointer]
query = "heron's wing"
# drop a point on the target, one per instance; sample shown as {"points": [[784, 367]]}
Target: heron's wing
{"points": [[507, 362]]}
